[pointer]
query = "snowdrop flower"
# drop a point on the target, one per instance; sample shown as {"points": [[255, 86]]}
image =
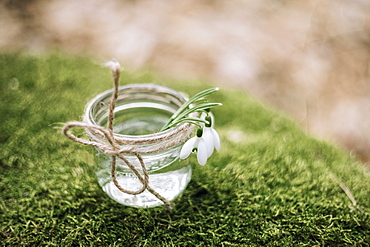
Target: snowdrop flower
{"points": [[206, 140], [196, 143], [211, 136]]}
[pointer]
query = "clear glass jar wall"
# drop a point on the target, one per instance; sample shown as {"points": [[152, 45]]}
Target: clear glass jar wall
{"points": [[141, 111]]}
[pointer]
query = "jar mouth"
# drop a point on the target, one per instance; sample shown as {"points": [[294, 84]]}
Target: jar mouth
{"points": [[162, 94]]}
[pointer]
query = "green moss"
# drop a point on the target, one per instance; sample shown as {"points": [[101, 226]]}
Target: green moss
{"points": [[271, 184]]}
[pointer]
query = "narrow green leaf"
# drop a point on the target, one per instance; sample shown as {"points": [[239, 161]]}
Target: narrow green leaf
{"points": [[194, 99], [181, 114]]}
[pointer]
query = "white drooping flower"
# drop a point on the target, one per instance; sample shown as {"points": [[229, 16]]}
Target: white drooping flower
{"points": [[206, 140], [211, 136], [196, 143], [211, 139]]}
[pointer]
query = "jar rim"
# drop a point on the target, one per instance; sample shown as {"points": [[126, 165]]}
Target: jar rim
{"points": [[173, 131]]}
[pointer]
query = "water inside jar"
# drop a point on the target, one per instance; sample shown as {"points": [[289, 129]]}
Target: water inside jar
{"points": [[139, 118]]}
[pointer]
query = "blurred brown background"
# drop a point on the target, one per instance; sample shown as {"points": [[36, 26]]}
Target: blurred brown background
{"points": [[309, 59]]}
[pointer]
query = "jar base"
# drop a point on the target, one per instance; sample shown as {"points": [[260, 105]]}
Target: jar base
{"points": [[169, 185]]}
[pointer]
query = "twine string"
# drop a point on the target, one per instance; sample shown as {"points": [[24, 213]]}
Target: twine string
{"points": [[116, 74], [117, 147]]}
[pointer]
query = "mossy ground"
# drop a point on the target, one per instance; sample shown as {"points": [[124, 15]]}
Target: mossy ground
{"points": [[271, 184]]}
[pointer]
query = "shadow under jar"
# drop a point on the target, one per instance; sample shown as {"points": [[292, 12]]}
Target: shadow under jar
{"points": [[140, 113]]}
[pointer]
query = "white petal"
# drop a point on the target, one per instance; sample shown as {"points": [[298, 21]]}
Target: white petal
{"points": [[216, 139], [212, 119], [208, 139], [203, 117], [202, 152], [188, 147]]}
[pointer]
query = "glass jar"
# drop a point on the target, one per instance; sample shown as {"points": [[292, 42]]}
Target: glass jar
{"points": [[141, 111]]}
